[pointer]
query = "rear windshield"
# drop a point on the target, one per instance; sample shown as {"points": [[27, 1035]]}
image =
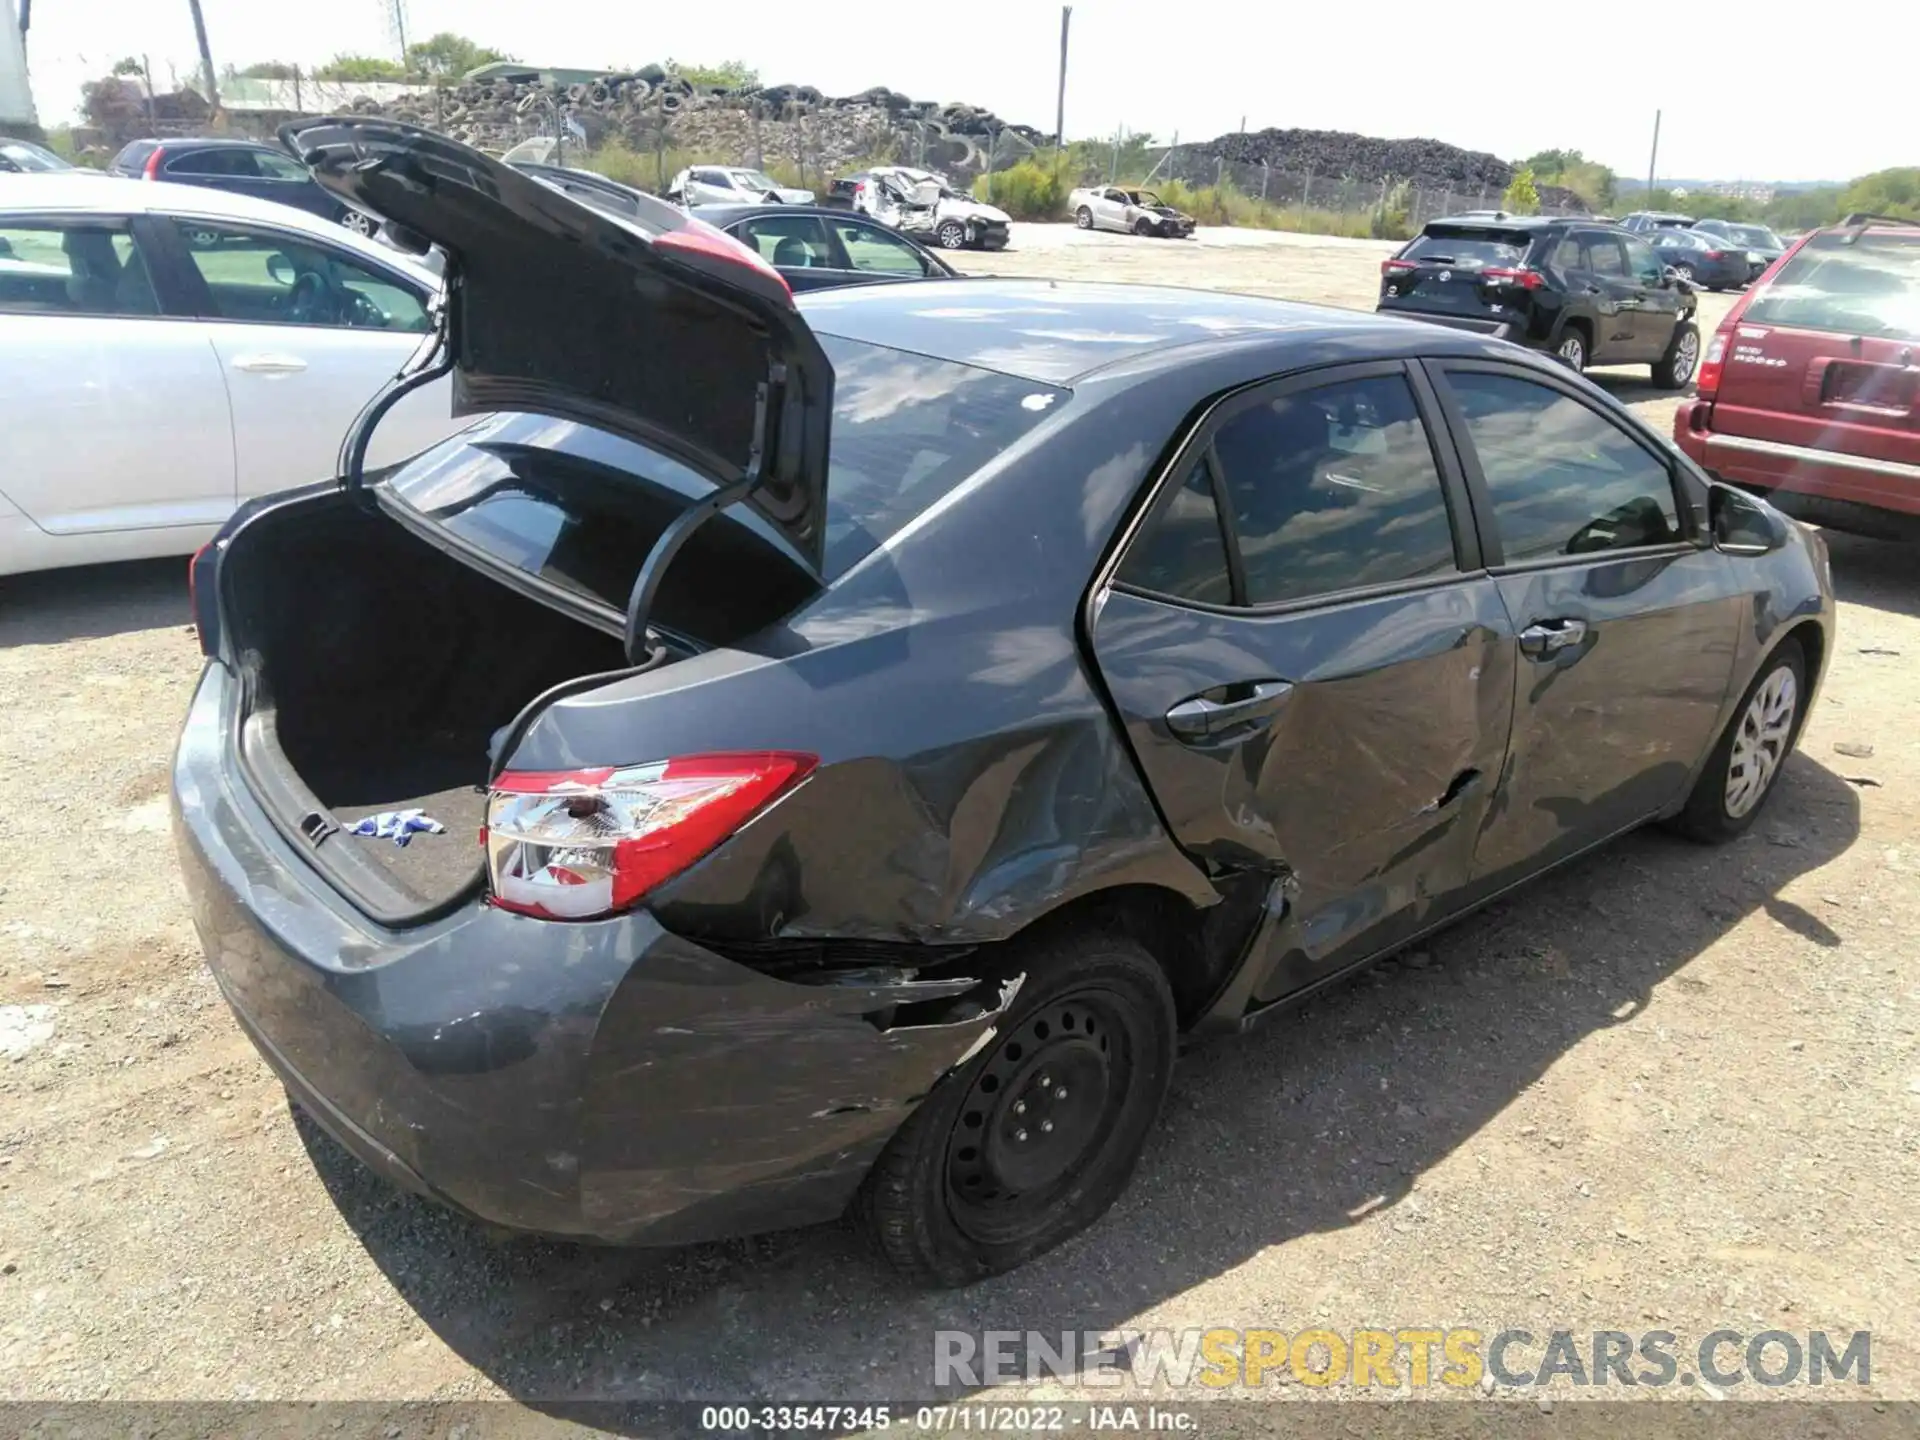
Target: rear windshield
{"points": [[558, 500], [1476, 248], [1757, 235], [1865, 285]]}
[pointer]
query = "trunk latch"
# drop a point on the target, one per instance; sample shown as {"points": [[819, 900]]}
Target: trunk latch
{"points": [[315, 826]]}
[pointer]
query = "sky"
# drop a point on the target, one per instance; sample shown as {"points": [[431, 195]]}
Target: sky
{"points": [[1803, 101]]}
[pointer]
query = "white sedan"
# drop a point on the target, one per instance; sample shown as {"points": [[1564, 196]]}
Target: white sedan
{"points": [[169, 351]]}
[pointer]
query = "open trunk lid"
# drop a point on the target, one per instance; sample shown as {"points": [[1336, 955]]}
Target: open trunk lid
{"points": [[1826, 353], [674, 338]]}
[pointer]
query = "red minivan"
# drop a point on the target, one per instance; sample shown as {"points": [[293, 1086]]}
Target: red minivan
{"points": [[1810, 390]]}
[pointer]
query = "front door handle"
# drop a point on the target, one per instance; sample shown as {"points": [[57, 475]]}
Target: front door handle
{"points": [[270, 364], [1204, 717], [1550, 637]]}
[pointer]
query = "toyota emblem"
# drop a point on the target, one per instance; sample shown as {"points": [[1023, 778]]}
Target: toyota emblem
{"points": [[1446, 274]]}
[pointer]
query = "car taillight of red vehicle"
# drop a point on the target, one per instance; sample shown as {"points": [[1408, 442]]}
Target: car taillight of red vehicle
{"points": [[1706, 382], [583, 844]]}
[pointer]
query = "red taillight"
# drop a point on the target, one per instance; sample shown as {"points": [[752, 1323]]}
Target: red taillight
{"points": [[1706, 384], [701, 239], [1397, 267], [582, 844], [1525, 279], [152, 170], [1716, 254], [206, 623]]}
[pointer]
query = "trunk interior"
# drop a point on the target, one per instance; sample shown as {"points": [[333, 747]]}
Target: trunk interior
{"points": [[381, 669]]}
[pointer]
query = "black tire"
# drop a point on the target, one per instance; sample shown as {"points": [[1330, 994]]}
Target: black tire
{"points": [[946, 1212], [952, 235], [1711, 816], [1083, 218], [1143, 226], [1575, 348], [1675, 369]]}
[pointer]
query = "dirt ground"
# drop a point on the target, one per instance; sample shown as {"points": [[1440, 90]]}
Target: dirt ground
{"points": [[1670, 1088]]}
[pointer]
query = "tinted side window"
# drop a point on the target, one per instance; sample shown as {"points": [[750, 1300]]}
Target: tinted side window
{"points": [[869, 247], [798, 242], [1185, 554], [1603, 256], [1333, 488], [1564, 480], [214, 162], [1567, 255], [72, 267], [281, 167], [1643, 264]]}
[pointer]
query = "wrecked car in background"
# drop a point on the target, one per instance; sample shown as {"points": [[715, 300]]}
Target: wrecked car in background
{"points": [[867, 732], [1132, 212], [926, 206]]}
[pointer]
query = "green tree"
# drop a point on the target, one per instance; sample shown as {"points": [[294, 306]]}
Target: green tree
{"points": [[129, 66], [1523, 196], [447, 56], [1803, 209], [268, 70], [1885, 192], [1589, 179], [360, 69], [731, 74]]}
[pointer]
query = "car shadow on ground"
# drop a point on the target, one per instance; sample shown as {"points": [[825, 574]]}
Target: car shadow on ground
{"points": [[1322, 1120], [1878, 574], [88, 602]]}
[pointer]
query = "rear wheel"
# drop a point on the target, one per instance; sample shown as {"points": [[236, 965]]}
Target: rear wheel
{"points": [[358, 223], [1038, 1134], [1083, 218], [1674, 370], [1572, 349], [1684, 272], [952, 235], [1740, 773]]}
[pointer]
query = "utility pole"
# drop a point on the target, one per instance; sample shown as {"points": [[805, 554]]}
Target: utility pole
{"points": [[206, 54], [397, 23], [1060, 109], [1654, 158]]}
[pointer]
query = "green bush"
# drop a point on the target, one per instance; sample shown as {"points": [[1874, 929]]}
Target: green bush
{"points": [[1523, 196], [1030, 190]]}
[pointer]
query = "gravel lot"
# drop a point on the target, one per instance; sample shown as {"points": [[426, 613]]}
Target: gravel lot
{"points": [[1670, 1088]]}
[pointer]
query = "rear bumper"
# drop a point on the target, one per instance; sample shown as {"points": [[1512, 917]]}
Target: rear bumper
{"points": [[1828, 487], [1477, 324], [606, 1080]]}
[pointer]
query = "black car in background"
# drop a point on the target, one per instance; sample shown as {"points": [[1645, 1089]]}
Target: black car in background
{"points": [[869, 728], [820, 246], [1590, 294], [241, 167], [1763, 247], [1702, 259]]}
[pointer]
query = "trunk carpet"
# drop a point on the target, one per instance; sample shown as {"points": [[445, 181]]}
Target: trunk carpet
{"points": [[433, 867], [437, 775]]}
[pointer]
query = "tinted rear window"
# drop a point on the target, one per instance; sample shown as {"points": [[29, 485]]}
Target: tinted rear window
{"points": [[558, 500], [1476, 248], [1869, 286], [1756, 235]]}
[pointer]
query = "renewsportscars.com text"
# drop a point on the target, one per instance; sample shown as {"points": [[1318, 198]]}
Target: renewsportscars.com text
{"points": [[1458, 1358]]}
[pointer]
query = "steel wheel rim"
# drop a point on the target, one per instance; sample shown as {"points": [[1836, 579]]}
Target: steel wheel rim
{"points": [[1573, 352], [1760, 742], [1039, 1114], [1686, 355]]}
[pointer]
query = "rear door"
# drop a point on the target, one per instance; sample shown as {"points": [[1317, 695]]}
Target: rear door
{"points": [[114, 411], [1827, 357], [1627, 622], [1616, 295], [1313, 672], [306, 334]]}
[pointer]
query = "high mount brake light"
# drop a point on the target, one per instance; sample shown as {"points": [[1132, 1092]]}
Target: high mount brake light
{"points": [[582, 844]]}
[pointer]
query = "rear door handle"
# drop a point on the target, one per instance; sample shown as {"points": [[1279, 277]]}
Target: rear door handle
{"points": [[1550, 637], [270, 364], [1201, 718]]}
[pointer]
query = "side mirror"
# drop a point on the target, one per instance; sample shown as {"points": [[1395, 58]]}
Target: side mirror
{"points": [[1741, 525], [282, 269]]}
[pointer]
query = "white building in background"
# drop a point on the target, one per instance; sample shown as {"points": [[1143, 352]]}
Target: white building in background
{"points": [[16, 98]]}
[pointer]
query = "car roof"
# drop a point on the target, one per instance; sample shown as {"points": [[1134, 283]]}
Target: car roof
{"points": [[205, 142], [1511, 222], [1057, 332], [85, 193]]}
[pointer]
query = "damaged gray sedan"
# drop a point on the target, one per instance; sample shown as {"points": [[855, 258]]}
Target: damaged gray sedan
{"points": [[841, 747]]}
